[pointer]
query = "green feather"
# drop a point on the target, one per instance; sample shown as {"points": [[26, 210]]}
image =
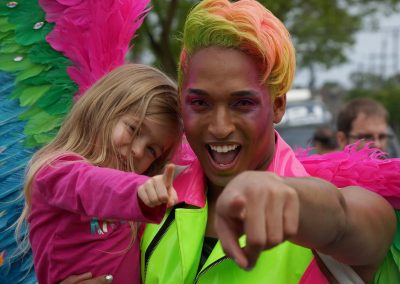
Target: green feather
{"points": [[10, 48], [42, 122], [5, 26], [25, 19], [52, 96], [30, 72], [44, 138], [8, 64], [42, 53], [30, 113], [62, 106], [30, 95], [40, 139], [35, 81]]}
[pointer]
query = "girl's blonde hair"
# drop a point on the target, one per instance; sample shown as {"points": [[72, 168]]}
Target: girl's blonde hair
{"points": [[132, 88]]}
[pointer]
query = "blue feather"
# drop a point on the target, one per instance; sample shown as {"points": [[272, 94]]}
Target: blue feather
{"points": [[13, 159]]}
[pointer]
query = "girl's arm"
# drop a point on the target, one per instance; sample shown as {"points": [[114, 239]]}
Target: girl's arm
{"points": [[72, 184]]}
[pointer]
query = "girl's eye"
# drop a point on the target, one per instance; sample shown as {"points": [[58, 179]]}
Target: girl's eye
{"points": [[153, 152], [132, 128]]}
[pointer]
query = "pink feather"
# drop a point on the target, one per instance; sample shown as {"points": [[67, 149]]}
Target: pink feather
{"points": [[55, 8], [94, 35], [364, 167]]}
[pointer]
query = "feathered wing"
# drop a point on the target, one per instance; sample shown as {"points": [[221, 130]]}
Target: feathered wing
{"points": [[366, 168], [51, 51]]}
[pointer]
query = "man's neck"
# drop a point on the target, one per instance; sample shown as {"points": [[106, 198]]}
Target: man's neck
{"points": [[213, 192]]}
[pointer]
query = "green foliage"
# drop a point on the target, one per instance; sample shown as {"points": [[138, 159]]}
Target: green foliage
{"points": [[161, 32], [321, 29]]}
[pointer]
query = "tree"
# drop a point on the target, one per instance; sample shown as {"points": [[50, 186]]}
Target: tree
{"points": [[161, 33], [321, 29]]}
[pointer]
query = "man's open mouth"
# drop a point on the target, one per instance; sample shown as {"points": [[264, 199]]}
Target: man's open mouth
{"points": [[223, 155]]}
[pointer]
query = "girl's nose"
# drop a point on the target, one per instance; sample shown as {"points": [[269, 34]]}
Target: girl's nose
{"points": [[138, 148]]}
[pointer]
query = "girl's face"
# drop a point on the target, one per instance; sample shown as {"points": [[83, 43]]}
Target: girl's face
{"points": [[150, 142]]}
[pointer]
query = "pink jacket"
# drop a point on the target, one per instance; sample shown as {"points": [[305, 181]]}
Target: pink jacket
{"points": [[73, 222]]}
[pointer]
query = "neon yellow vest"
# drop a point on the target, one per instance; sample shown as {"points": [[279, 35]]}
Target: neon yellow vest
{"points": [[170, 253]]}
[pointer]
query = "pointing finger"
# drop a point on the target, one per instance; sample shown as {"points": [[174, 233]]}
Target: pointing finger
{"points": [[168, 175]]}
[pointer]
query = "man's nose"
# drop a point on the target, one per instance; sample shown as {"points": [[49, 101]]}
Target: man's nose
{"points": [[377, 142], [221, 124]]}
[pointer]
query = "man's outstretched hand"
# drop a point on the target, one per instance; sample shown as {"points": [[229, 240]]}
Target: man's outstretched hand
{"points": [[262, 207]]}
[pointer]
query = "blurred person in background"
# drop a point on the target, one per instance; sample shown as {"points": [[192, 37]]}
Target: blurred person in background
{"points": [[366, 120], [324, 140]]}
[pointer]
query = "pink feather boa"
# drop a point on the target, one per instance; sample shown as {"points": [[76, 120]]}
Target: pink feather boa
{"points": [[364, 167], [94, 35]]}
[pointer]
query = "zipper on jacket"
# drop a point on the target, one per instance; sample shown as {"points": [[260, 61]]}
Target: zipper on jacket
{"points": [[211, 265], [157, 238]]}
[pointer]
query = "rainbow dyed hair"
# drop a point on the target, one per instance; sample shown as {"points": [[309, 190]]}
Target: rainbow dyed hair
{"points": [[245, 25]]}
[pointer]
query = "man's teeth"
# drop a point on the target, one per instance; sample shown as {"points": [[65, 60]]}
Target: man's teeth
{"points": [[223, 149]]}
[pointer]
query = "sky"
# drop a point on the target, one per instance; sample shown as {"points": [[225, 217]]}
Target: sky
{"points": [[372, 51]]}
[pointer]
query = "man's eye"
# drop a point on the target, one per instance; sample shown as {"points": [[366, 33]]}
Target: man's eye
{"points": [[244, 105], [198, 102], [367, 137]]}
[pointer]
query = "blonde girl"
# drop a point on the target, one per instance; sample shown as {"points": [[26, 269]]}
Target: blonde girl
{"points": [[126, 127]]}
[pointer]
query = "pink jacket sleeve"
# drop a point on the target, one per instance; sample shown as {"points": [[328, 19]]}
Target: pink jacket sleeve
{"points": [[74, 185]]}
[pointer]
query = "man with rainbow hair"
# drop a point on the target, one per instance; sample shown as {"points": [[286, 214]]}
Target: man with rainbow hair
{"points": [[251, 213]]}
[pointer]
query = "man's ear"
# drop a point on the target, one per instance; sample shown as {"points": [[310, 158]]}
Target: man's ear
{"points": [[341, 139], [279, 108]]}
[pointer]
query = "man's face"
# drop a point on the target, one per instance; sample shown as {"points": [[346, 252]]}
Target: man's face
{"points": [[228, 115], [370, 129]]}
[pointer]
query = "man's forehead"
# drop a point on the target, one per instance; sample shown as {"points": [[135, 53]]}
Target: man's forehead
{"points": [[369, 122]]}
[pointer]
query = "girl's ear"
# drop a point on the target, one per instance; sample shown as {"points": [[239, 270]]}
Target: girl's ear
{"points": [[279, 108]]}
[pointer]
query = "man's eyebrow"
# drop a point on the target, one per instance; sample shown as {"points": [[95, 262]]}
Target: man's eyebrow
{"points": [[245, 93], [241, 93], [199, 92]]}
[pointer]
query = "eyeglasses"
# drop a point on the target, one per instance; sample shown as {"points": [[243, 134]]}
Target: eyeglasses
{"points": [[371, 137]]}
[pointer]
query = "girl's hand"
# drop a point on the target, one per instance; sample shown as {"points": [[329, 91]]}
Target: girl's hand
{"points": [[159, 189]]}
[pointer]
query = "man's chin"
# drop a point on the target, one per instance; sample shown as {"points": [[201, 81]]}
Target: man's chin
{"points": [[216, 182]]}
